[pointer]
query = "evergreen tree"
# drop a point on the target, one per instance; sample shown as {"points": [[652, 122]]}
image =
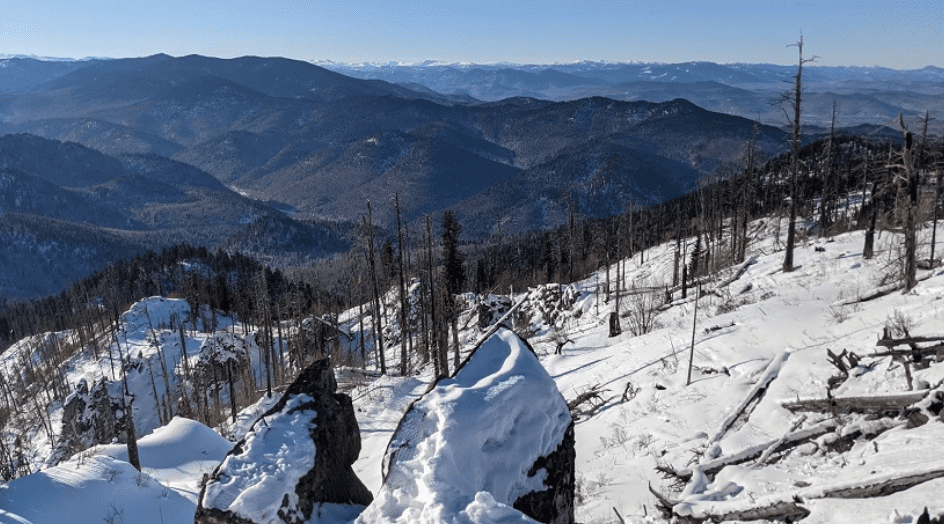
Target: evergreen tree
{"points": [[453, 270]]}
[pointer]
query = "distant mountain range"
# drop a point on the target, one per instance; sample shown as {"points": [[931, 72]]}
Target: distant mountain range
{"points": [[279, 157], [863, 95]]}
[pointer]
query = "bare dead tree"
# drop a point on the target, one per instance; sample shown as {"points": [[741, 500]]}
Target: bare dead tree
{"points": [[794, 97], [911, 212], [404, 307]]}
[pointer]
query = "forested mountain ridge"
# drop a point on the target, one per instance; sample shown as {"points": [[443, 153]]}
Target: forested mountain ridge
{"points": [[161, 150], [66, 210], [863, 95], [288, 131]]}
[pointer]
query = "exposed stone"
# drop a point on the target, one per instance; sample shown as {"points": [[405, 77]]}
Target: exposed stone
{"points": [[314, 466], [90, 417], [491, 308], [554, 505]]}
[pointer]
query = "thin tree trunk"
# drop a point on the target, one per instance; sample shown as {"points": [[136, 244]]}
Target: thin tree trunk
{"points": [[404, 313], [378, 324], [911, 177]]}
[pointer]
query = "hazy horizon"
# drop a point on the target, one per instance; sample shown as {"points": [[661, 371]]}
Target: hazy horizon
{"points": [[896, 35]]}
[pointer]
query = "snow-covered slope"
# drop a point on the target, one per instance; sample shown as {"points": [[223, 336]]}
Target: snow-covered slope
{"points": [[103, 487], [761, 325]]}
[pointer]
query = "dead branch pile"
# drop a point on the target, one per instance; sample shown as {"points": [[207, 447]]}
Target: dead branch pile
{"points": [[592, 396]]}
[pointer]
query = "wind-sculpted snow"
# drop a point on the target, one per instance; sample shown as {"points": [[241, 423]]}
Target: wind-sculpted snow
{"points": [[252, 484], [467, 450]]}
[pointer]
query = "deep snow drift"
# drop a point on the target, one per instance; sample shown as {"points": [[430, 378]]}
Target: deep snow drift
{"points": [[101, 486]]}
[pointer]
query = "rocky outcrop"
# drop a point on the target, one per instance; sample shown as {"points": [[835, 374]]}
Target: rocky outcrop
{"points": [[555, 505], [221, 354], [493, 443], [90, 416], [491, 308], [295, 462]]}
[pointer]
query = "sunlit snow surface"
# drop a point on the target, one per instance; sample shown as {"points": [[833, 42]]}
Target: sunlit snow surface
{"points": [[103, 487], [465, 449], [265, 469], [739, 332]]}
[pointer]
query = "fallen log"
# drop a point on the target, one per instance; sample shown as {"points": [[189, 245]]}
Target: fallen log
{"points": [[780, 510], [765, 456], [865, 404], [587, 397], [888, 342], [915, 354], [788, 504], [789, 440], [759, 388]]}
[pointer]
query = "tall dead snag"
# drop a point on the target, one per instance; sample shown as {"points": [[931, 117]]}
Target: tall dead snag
{"points": [[937, 200], [404, 308], [794, 97], [868, 249], [371, 268], [911, 217]]}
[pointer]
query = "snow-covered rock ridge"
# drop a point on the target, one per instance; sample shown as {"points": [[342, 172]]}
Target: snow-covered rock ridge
{"points": [[296, 458], [477, 445]]}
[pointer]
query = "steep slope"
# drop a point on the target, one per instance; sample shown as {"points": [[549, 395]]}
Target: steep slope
{"points": [[598, 178], [726, 435], [62, 196]]}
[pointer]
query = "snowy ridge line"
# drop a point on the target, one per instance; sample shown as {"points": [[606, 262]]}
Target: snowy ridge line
{"points": [[863, 487]]}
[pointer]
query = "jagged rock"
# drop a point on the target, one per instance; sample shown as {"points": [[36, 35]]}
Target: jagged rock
{"points": [[221, 353], [491, 308], [493, 443], [91, 416], [295, 462]]}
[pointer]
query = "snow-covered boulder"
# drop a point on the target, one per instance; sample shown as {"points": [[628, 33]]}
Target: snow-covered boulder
{"points": [[221, 353], [494, 443], [294, 465]]}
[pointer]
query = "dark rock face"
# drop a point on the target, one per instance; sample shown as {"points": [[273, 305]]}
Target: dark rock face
{"points": [[554, 505], [90, 417], [334, 440], [491, 308]]}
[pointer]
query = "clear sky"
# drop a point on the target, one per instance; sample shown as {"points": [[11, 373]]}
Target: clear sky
{"points": [[897, 34]]}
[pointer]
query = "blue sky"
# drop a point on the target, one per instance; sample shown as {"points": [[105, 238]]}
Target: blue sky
{"points": [[895, 34]]}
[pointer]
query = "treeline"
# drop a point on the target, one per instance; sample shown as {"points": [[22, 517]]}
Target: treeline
{"points": [[231, 283], [847, 182], [404, 283]]}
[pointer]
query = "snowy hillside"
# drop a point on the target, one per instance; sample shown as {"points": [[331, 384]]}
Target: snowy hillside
{"points": [[723, 445]]}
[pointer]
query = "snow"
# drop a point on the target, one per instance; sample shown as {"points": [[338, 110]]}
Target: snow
{"points": [[779, 327], [176, 455], [467, 445], [100, 485], [265, 467]]}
